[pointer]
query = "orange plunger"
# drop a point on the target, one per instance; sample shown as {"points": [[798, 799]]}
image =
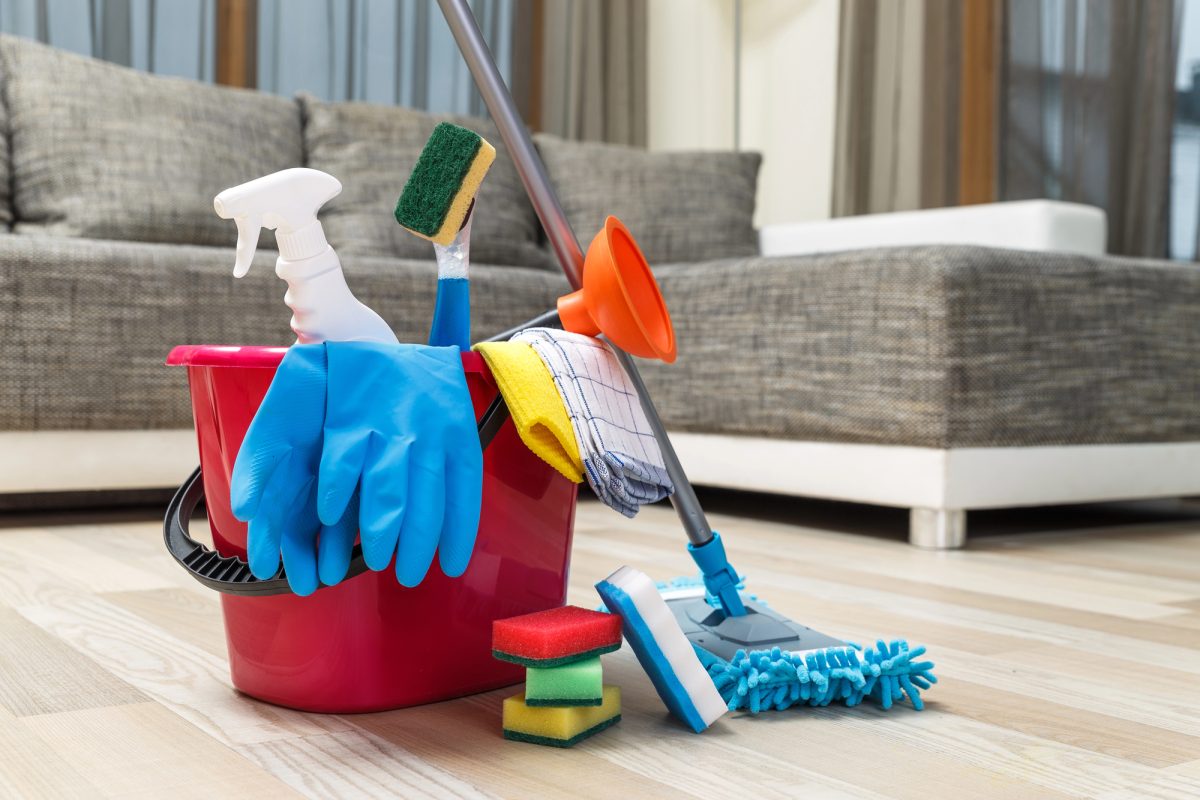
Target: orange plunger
{"points": [[620, 297]]}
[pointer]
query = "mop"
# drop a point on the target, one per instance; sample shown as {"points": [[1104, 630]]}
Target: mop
{"points": [[757, 659], [763, 661]]}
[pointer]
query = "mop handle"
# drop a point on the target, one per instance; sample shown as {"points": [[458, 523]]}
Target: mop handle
{"points": [[562, 239]]}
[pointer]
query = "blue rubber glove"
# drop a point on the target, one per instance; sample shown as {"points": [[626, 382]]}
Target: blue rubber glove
{"points": [[401, 429], [274, 481]]}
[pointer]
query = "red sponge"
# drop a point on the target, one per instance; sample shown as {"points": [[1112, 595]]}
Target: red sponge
{"points": [[555, 637]]}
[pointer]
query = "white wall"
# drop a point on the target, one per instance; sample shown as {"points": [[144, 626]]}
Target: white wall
{"points": [[789, 82], [689, 64]]}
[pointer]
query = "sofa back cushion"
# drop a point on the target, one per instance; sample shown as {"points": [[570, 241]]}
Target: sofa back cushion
{"points": [[105, 152], [679, 206], [6, 210], [372, 150]]}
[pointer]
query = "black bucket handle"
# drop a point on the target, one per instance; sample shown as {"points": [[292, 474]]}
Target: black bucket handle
{"points": [[230, 574]]}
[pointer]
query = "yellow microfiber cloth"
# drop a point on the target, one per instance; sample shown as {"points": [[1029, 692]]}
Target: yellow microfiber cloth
{"points": [[535, 404]]}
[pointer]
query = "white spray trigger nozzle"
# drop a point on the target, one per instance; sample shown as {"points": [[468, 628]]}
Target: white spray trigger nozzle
{"points": [[249, 229], [286, 202]]}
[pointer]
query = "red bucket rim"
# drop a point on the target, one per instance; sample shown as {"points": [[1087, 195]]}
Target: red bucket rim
{"points": [[266, 357], [225, 355]]}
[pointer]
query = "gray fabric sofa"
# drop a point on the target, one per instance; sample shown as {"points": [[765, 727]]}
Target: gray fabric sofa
{"points": [[939, 378]]}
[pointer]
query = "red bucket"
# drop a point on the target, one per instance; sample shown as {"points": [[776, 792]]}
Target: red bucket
{"points": [[370, 644]]}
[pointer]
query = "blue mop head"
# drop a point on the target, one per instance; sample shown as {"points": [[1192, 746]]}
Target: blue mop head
{"points": [[811, 669], [776, 680]]}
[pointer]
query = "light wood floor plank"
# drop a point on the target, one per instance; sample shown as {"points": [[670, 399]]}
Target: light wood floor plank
{"points": [[1162, 787], [31, 769], [39, 674], [1152, 640], [352, 763], [985, 574], [139, 545], [1070, 662], [1131, 557], [1052, 722], [145, 751], [888, 757], [182, 677], [463, 738], [31, 582], [1191, 769], [96, 570], [1082, 691], [777, 575], [1190, 605], [192, 616], [1168, 685]]}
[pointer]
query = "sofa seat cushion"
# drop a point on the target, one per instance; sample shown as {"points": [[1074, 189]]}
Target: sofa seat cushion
{"points": [[87, 324], [680, 206], [106, 152], [372, 149], [945, 346]]}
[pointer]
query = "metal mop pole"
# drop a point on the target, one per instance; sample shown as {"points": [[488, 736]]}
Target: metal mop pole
{"points": [[562, 239]]}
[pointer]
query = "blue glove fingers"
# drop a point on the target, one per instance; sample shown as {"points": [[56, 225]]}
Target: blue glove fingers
{"points": [[291, 415], [336, 544], [299, 545], [265, 533], [382, 503], [262, 547], [422, 526], [464, 494], [252, 472], [341, 465]]}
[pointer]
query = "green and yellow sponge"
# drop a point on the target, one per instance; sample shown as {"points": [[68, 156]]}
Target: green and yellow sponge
{"points": [[438, 196], [562, 726]]}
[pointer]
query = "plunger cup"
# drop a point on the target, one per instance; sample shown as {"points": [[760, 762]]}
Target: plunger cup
{"points": [[620, 297]]}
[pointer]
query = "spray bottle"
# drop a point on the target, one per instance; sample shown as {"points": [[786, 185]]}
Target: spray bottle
{"points": [[323, 307]]}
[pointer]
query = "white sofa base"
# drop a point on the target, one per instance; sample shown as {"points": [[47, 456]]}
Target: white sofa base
{"points": [[69, 461], [939, 486]]}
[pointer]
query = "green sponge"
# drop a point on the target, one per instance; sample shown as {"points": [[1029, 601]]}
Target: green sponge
{"points": [[438, 196], [578, 684]]}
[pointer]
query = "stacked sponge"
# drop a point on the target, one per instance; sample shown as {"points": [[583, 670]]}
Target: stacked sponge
{"points": [[565, 699]]}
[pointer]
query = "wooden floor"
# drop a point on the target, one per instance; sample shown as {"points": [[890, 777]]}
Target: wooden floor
{"points": [[1067, 642]]}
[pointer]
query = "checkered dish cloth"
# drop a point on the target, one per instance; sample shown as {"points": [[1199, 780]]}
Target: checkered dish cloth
{"points": [[620, 454]]}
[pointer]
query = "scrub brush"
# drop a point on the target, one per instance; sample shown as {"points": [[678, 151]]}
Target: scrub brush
{"points": [[436, 204], [662, 649]]}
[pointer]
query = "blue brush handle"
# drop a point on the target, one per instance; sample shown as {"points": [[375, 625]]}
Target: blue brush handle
{"points": [[452, 314]]}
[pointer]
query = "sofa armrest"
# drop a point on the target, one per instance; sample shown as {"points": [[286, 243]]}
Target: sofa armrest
{"points": [[940, 347], [1045, 225]]}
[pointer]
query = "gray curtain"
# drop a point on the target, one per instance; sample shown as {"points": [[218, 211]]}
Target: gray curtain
{"points": [[594, 70], [1087, 110], [168, 37], [394, 52], [590, 59], [380, 51], [897, 112]]}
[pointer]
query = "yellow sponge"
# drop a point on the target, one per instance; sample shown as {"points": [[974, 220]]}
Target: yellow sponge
{"points": [[442, 186], [559, 726]]}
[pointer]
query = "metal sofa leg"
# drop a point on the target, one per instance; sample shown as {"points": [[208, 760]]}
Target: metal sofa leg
{"points": [[937, 528]]}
